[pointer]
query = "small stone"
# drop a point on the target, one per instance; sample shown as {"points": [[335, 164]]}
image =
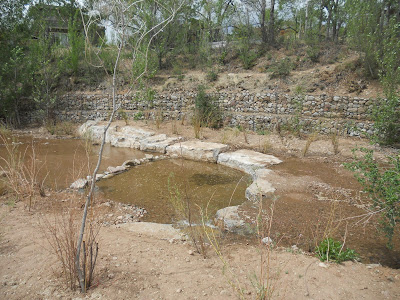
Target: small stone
{"points": [[372, 266], [322, 265], [111, 276], [79, 184], [190, 252], [179, 290], [120, 217], [267, 240], [149, 156]]}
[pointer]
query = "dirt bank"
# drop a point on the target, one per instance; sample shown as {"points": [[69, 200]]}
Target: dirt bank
{"points": [[143, 265]]}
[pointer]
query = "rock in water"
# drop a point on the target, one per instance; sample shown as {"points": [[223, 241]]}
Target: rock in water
{"points": [[79, 184]]}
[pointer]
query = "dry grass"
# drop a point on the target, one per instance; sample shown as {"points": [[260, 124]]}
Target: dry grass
{"points": [[264, 145], [174, 127], [158, 118], [196, 121], [61, 229], [20, 170], [310, 139], [335, 142], [61, 128], [182, 206], [264, 280]]}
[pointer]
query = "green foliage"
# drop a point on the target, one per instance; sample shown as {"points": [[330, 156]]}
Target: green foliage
{"points": [[76, 44], [386, 112], [138, 116], [282, 69], [382, 185], [313, 53], [207, 110], [212, 75], [331, 250], [386, 116], [123, 115], [247, 55]]}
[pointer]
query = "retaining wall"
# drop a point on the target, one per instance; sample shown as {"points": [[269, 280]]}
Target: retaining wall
{"points": [[256, 111]]}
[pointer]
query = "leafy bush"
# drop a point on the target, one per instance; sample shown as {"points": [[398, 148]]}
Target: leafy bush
{"points": [[138, 116], [386, 116], [212, 76], [282, 68], [331, 250], [207, 110], [313, 53], [382, 184]]}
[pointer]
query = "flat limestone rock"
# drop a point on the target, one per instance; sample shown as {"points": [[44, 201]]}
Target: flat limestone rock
{"points": [[117, 169], [157, 143], [197, 150], [79, 184], [247, 160]]}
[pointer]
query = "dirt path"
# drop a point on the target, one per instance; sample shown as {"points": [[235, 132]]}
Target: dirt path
{"points": [[137, 265]]}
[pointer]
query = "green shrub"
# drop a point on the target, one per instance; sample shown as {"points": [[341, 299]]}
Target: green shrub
{"points": [[386, 116], [382, 184], [331, 250], [313, 53], [207, 109], [212, 76], [138, 116], [282, 68], [222, 57]]}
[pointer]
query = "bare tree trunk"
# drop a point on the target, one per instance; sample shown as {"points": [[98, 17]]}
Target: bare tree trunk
{"points": [[271, 25], [262, 21], [123, 27], [306, 21], [93, 182]]}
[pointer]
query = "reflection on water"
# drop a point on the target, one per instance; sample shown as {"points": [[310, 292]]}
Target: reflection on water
{"points": [[202, 184]]}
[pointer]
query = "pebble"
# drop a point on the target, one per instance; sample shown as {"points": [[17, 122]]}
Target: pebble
{"points": [[322, 265], [179, 290], [190, 252], [111, 276], [267, 240]]}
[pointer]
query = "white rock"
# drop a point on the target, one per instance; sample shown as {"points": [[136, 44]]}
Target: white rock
{"points": [[322, 265], [247, 160], [157, 143], [259, 189], [228, 219], [107, 176], [267, 240], [79, 184], [117, 169], [197, 150]]}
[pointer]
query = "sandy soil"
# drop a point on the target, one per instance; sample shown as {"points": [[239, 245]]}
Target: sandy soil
{"points": [[149, 265]]}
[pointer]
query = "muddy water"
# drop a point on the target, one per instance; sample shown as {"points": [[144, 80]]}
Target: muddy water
{"points": [[62, 161], [303, 216], [201, 184]]}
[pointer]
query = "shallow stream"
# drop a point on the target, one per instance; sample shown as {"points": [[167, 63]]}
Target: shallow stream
{"points": [[302, 215]]}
